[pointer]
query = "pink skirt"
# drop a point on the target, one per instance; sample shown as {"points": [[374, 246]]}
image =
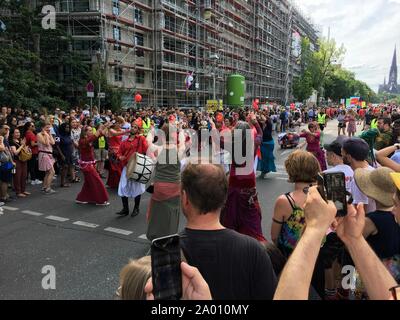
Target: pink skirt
{"points": [[46, 161]]}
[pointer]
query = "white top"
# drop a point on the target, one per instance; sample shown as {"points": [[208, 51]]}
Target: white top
{"points": [[348, 173], [359, 197]]}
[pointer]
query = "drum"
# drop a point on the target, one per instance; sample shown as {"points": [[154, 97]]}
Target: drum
{"points": [[140, 168]]}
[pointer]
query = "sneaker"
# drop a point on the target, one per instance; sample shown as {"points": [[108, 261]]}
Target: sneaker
{"points": [[2, 204], [37, 181], [50, 191], [81, 202], [33, 183]]}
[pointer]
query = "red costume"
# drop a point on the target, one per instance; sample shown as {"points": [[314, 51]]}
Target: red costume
{"points": [[93, 190]]}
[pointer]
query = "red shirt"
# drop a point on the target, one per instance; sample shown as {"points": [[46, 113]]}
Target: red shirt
{"points": [[86, 148], [31, 137], [128, 148]]}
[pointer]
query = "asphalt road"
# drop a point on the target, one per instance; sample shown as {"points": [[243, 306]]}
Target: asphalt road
{"points": [[88, 245]]}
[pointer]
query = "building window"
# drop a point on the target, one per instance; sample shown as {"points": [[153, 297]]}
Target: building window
{"points": [[139, 39], [117, 37], [138, 16], [139, 76], [115, 8], [118, 74]]}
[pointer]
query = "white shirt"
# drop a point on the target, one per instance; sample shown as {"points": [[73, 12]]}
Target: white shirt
{"points": [[348, 173], [359, 197]]}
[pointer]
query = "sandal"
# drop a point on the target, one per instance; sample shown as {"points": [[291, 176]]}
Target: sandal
{"points": [[21, 195], [76, 180], [27, 193]]}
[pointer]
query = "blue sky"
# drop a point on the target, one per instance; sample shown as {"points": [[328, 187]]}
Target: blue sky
{"points": [[369, 29]]}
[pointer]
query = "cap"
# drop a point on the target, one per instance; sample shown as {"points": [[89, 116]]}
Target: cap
{"points": [[357, 148], [335, 147]]}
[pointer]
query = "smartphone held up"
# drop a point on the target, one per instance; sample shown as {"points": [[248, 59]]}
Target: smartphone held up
{"points": [[332, 187], [166, 268]]}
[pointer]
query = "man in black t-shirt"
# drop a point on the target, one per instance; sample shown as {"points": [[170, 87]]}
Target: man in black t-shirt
{"points": [[235, 266]]}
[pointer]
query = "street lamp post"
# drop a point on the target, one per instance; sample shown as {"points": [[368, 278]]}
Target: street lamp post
{"points": [[214, 57], [99, 62]]}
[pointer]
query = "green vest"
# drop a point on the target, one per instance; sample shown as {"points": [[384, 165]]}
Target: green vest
{"points": [[374, 124], [146, 127], [321, 118]]}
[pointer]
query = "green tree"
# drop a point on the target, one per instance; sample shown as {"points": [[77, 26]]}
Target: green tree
{"points": [[39, 67], [324, 62]]}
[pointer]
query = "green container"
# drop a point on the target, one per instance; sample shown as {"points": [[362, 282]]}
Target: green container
{"points": [[235, 90]]}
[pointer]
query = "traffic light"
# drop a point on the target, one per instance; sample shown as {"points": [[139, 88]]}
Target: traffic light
{"points": [[1, 81]]}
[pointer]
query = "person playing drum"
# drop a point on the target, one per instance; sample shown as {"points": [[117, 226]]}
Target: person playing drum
{"points": [[129, 188]]}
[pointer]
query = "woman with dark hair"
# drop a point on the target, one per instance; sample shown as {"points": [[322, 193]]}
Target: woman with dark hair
{"points": [[17, 145], [242, 211], [115, 134], [164, 208], [93, 190], [66, 156], [267, 162], [313, 136], [31, 142]]}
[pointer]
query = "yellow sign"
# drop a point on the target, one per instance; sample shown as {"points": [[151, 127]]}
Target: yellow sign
{"points": [[214, 105], [363, 104]]}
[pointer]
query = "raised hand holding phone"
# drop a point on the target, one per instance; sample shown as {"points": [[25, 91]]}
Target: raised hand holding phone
{"points": [[165, 268]]}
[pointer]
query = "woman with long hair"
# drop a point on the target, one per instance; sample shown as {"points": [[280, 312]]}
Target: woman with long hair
{"points": [[93, 190], [164, 208], [17, 145], [267, 162], [115, 135], [351, 123], [242, 211], [312, 136], [66, 156], [46, 159], [31, 142]]}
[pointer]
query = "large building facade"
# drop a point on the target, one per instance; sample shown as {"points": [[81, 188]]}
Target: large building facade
{"points": [[150, 46]]}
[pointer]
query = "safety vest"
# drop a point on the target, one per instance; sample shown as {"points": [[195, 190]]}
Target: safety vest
{"points": [[146, 127], [321, 118], [374, 124]]}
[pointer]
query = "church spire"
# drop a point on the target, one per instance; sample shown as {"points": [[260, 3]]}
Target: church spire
{"points": [[392, 84]]}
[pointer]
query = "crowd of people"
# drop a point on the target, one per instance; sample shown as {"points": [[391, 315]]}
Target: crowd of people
{"points": [[309, 247]]}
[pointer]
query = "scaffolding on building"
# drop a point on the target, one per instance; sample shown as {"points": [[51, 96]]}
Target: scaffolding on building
{"points": [[150, 46]]}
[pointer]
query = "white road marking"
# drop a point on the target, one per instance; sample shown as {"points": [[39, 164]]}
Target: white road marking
{"points": [[33, 213], [120, 231], [281, 173], [56, 218], [86, 224], [9, 208], [279, 178], [143, 236]]}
